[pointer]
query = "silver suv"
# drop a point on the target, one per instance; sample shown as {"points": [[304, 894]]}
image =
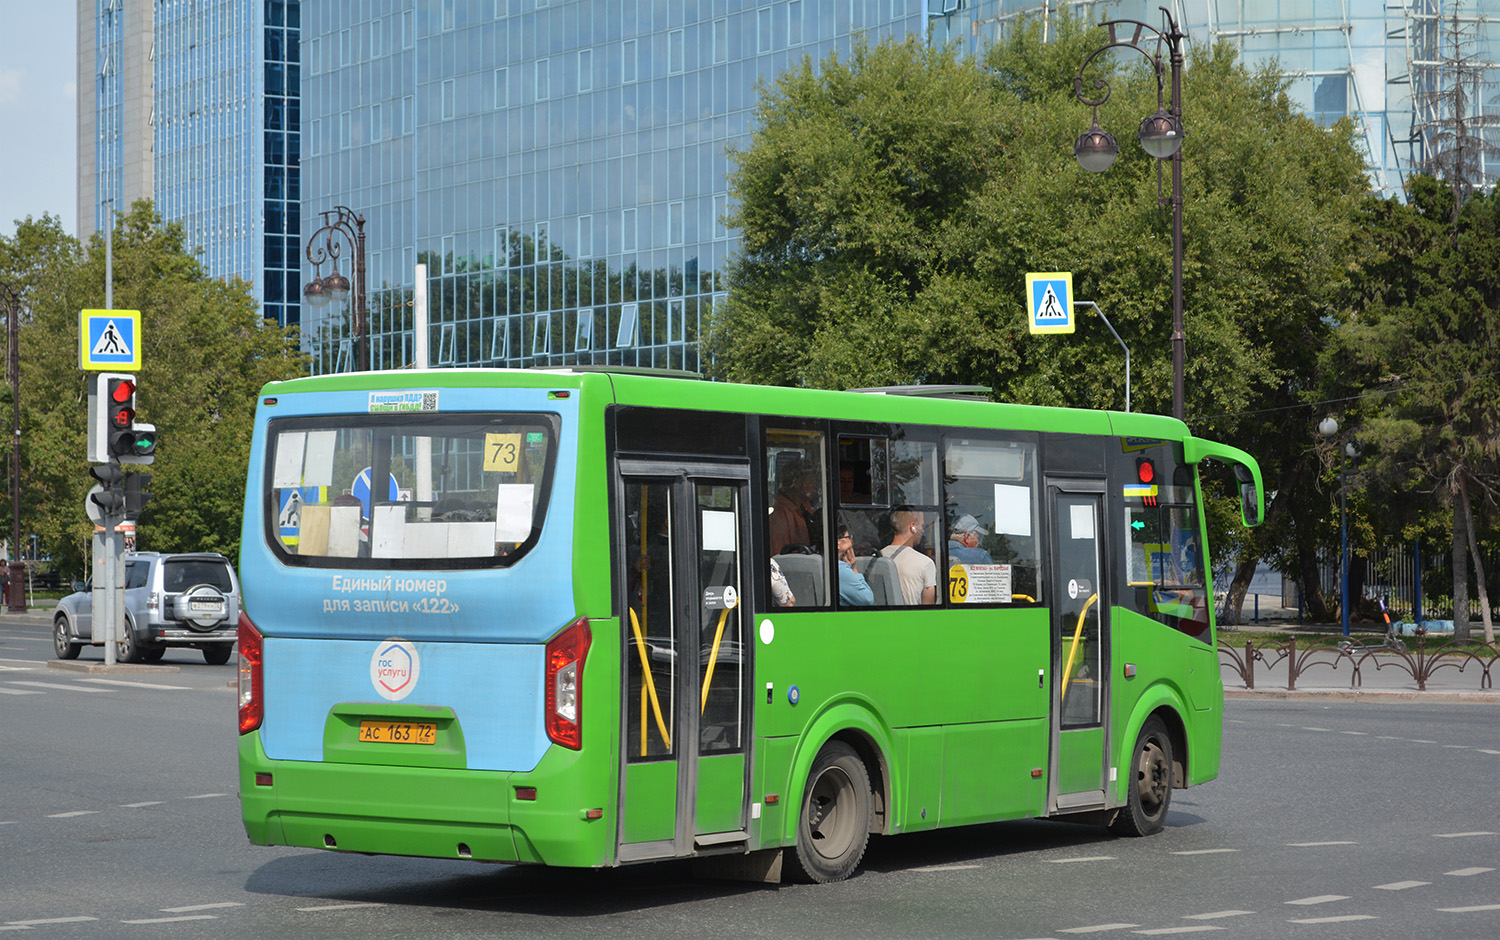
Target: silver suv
{"points": [[188, 600]]}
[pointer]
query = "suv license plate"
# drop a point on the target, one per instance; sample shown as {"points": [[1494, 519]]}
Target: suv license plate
{"points": [[206, 603], [398, 732]]}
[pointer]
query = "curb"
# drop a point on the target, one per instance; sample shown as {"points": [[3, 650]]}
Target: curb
{"points": [[118, 668], [1374, 697]]}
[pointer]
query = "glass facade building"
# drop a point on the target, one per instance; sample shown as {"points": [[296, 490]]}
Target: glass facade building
{"points": [[196, 106], [560, 165]]}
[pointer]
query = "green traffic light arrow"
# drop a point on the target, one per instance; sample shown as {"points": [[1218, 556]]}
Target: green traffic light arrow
{"points": [[1138, 525]]}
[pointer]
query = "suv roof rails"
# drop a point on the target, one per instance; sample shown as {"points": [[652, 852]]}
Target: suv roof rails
{"points": [[958, 392], [624, 370]]}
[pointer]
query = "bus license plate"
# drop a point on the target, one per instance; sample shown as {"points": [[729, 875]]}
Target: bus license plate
{"points": [[398, 732]]}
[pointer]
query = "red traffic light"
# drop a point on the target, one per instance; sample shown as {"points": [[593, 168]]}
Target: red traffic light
{"points": [[1145, 470], [122, 391]]}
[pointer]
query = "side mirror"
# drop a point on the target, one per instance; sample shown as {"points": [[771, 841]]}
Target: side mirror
{"points": [[1251, 510]]}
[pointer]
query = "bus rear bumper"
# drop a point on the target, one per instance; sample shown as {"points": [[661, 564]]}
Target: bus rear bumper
{"points": [[414, 811]]}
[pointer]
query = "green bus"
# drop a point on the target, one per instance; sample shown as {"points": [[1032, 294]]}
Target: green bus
{"points": [[592, 617]]}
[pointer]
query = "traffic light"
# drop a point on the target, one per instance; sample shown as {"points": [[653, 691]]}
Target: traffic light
{"points": [[119, 414], [111, 498], [114, 433], [136, 495]]}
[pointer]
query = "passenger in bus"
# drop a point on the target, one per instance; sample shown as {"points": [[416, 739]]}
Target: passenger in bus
{"points": [[917, 572], [793, 526], [963, 542], [854, 590], [781, 591]]}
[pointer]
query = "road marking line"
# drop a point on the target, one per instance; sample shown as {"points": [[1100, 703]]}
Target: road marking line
{"points": [[1098, 928], [1356, 733], [170, 920], [49, 920], [1457, 747], [1401, 885], [1485, 750], [1465, 872], [1419, 741], [1320, 899], [29, 662], [341, 907], [1313, 845], [1217, 914], [947, 867], [1470, 910], [140, 685], [1387, 737], [1317, 729], [76, 812], [1459, 835], [18, 691], [201, 907], [1196, 928], [1333, 920], [1086, 858], [57, 685], [139, 805], [1206, 852], [204, 796]]}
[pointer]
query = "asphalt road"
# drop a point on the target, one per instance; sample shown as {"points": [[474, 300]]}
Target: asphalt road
{"points": [[1331, 819]]}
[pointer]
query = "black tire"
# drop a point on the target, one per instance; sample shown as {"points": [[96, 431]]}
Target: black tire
{"points": [[1150, 783], [62, 642], [218, 655], [153, 654], [127, 650], [833, 826]]}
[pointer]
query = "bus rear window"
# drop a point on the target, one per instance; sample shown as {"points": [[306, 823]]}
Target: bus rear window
{"points": [[459, 491]]}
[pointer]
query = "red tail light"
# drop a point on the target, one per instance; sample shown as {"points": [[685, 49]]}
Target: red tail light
{"points": [[565, 656], [252, 677]]}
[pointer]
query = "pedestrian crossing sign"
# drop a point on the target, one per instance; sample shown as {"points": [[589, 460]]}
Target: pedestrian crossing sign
{"points": [[1050, 298], [109, 340]]}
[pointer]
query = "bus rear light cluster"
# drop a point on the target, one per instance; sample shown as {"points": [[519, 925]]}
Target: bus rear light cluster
{"points": [[565, 655], [252, 677]]}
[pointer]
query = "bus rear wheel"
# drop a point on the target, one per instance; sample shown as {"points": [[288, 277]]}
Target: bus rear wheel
{"points": [[833, 827], [1150, 783]]}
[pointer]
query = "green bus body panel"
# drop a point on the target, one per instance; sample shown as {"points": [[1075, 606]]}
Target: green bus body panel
{"points": [[1080, 761], [987, 771], [921, 773], [721, 793], [651, 812]]}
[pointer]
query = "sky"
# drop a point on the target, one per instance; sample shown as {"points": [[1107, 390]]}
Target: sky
{"points": [[39, 112]]}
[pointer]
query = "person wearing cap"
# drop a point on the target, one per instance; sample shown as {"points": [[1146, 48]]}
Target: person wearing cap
{"points": [[963, 542]]}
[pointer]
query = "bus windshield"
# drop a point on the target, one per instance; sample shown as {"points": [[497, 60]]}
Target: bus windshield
{"points": [[459, 491]]}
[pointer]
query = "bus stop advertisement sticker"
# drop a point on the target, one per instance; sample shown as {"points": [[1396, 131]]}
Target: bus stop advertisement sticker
{"points": [[394, 669]]}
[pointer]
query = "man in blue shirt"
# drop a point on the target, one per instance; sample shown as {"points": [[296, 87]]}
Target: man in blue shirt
{"points": [[963, 542]]}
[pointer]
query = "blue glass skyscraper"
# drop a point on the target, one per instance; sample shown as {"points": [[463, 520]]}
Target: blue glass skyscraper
{"points": [[195, 105]]}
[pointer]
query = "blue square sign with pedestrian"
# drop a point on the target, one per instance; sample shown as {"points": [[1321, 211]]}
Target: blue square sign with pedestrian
{"points": [[109, 340], [1050, 299]]}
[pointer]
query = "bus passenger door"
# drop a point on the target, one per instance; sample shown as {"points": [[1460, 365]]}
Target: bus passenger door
{"points": [[684, 710], [1080, 648]]}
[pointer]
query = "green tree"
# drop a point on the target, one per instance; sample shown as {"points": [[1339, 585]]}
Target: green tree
{"points": [[892, 203], [206, 352], [1421, 350]]}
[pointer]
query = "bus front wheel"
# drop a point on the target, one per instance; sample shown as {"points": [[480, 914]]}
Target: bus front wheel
{"points": [[1150, 783], [833, 827]]}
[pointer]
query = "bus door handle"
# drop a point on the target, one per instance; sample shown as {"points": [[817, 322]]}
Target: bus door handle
{"points": [[1041, 678]]}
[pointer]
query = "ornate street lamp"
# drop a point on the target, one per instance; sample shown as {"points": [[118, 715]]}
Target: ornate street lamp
{"points": [[17, 588], [345, 222], [1328, 427], [1161, 136]]}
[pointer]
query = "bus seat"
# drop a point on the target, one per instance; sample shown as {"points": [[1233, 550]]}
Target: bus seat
{"points": [[880, 572], [805, 576]]}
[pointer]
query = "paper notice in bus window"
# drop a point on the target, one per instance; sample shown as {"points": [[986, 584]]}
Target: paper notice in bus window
{"points": [[287, 471], [317, 465], [988, 584], [502, 453], [1013, 510], [1081, 519], [718, 531], [513, 512]]}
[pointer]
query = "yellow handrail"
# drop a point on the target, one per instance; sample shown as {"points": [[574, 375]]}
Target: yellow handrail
{"points": [[713, 657], [1073, 650], [640, 645]]}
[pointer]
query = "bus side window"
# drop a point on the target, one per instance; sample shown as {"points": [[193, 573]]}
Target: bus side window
{"points": [[990, 521], [1163, 556], [796, 521]]}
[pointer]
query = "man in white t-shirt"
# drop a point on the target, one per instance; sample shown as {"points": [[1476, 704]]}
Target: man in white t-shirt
{"points": [[917, 572]]}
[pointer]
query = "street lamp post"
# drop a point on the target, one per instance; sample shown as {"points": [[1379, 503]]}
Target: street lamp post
{"points": [[1161, 136], [1328, 427], [345, 222], [17, 585]]}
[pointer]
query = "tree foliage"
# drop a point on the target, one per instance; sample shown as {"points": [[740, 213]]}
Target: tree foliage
{"points": [[206, 352]]}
